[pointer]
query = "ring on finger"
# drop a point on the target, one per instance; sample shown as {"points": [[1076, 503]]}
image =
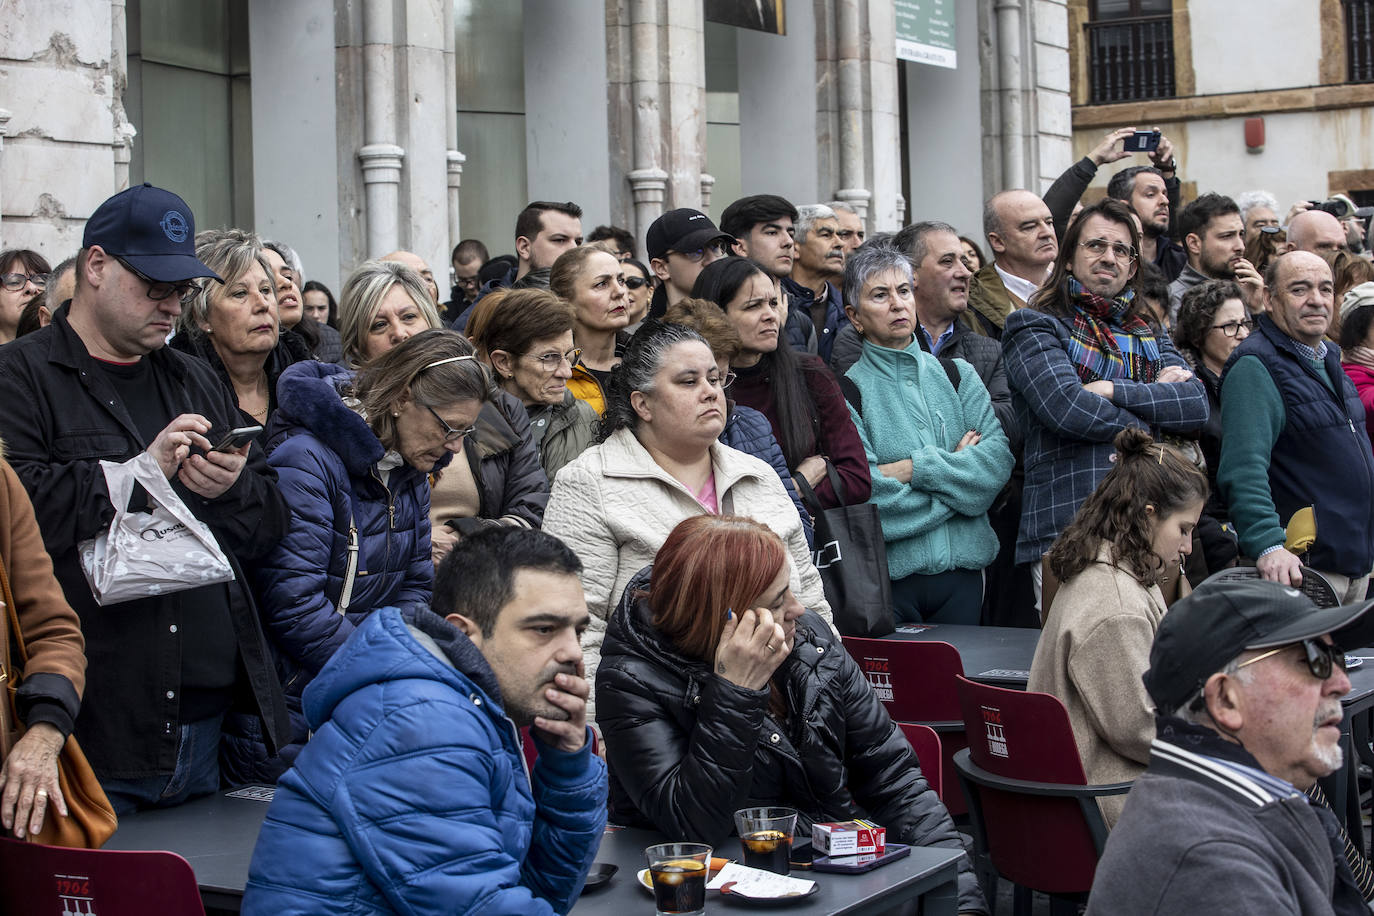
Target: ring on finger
{"points": [[771, 648], [42, 793]]}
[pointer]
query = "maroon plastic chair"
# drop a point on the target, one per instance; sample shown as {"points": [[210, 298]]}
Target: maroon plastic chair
{"points": [[40, 880], [925, 741], [916, 682], [1034, 816]]}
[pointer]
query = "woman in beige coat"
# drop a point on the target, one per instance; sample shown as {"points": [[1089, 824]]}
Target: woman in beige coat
{"points": [[658, 463], [1111, 561]]}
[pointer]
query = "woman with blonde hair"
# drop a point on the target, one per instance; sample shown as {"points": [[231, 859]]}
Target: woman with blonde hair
{"points": [[592, 280], [382, 304]]}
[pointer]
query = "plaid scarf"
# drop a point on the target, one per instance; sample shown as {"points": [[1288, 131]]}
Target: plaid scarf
{"points": [[1096, 351]]}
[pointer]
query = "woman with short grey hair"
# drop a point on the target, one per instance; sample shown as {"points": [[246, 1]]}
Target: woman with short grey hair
{"points": [[233, 324], [382, 304], [660, 461]]}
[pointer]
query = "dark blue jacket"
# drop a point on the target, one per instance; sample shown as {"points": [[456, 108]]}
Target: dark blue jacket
{"points": [[412, 796], [802, 297], [746, 430], [325, 456], [1322, 457]]}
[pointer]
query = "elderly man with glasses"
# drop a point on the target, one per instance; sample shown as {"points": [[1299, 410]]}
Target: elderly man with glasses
{"points": [[99, 385], [1247, 678], [1083, 364]]}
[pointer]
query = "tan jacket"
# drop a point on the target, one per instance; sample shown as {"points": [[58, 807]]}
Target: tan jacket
{"points": [[1091, 655], [51, 629], [614, 506]]}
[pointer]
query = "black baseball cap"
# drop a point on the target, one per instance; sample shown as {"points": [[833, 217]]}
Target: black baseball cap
{"points": [[682, 230], [153, 230], [1225, 616]]}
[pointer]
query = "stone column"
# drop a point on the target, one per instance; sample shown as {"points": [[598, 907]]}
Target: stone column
{"points": [[4, 128], [123, 151], [684, 43], [849, 71], [381, 158], [648, 180], [454, 158], [455, 180], [649, 186], [708, 182], [1010, 84], [124, 132]]}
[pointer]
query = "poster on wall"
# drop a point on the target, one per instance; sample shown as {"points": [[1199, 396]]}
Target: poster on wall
{"points": [[760, 15], [925, 32]]}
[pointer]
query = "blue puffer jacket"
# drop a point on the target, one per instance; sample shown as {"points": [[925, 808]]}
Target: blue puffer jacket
{"points": [[412, 797], [746, 430], [325, 456]]}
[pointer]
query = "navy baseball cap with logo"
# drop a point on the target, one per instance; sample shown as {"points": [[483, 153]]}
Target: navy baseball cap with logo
{"points": [[153, 230], [682, 230]]}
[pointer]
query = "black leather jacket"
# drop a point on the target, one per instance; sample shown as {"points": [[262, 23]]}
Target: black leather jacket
{"points": [[688, 748]]}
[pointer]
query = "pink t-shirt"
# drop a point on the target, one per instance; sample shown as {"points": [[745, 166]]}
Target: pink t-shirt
{"points": [[707, 495]]}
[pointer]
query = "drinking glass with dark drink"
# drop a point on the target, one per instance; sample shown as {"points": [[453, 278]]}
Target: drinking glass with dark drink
{"points": [[678, 874], [765, 834]]}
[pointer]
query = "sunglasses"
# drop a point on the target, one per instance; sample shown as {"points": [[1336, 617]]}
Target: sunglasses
{"points": [[1321, 657], [636, 282]]}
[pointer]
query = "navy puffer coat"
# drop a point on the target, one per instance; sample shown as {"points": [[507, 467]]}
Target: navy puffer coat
{"points": [[746, 430], [325, 456]]}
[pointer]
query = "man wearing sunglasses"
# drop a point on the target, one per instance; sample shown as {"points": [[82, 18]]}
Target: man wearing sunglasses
{"points": [[680, 243], [1247, 678], [98, 384]]}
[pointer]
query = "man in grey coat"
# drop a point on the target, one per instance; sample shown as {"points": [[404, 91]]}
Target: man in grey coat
{"points": [[1247, 679]]}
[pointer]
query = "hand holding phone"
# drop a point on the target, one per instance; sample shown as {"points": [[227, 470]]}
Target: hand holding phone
{"points": [[1141, 141], [238, 438]]}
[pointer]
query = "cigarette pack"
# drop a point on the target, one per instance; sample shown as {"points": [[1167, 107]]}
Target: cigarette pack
{"points": [[848, 838]]}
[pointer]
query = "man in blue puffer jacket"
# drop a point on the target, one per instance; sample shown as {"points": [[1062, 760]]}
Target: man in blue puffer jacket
{"points": [[412, 796]]}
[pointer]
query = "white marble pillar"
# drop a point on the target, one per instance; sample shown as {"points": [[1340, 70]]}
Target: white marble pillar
{"points": [[454, 158], [648, 180], [1010, 84], [684, 46], [849, 71], [649, 187], [4, 128], [124, 132], [455, 181], [708, 183], [123, 152], [381, 158]]}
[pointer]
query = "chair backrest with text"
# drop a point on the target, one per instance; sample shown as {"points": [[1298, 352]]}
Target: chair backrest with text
{"points": [[916, 681], [1029, 800], [40, 880]]}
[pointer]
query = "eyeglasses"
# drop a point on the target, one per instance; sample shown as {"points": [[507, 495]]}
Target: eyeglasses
{"points": [[1232, 328], [550, 362], [716, 250], [1098, 247], [1321, 657], [451, 434], [158, 290], [1270, 230], [636, 282], [16, 282], [722, 381]]}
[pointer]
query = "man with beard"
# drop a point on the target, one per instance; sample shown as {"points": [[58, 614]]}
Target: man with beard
{"points": [[1214, 235], [412, 796], [819, 265], [1145, 190], [1247, 679], [1083, 364], [1020, 231], [1293, 436]]}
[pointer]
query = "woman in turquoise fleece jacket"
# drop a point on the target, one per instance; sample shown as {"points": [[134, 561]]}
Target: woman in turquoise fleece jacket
{"points": [[937, 455]]}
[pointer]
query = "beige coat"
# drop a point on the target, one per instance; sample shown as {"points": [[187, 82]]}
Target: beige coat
{"points": [[1091, 655], [614, 506]]}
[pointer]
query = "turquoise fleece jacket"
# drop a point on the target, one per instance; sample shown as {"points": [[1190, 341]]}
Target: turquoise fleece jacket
{"points": [[939, 521]]}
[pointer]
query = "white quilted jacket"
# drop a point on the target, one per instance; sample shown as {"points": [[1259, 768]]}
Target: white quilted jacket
{"points": [[614, 506]]}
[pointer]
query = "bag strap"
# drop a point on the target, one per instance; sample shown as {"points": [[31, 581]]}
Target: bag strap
{"points": [[852, 394], [808, 495], [946, 362], [346, 593]]}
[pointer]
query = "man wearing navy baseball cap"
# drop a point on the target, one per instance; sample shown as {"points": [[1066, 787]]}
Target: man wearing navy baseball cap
{"points": [[96, 385], [1247, 677], [679, 244]]}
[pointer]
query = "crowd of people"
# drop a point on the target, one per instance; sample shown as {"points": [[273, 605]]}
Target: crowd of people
{"points": [[577, 495]]}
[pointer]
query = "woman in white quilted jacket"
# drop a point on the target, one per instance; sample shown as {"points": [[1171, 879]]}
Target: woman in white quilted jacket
{"points": [[658, 462]]}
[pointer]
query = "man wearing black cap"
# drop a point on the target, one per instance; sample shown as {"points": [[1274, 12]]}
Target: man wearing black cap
{"points": [[680, 243], [1247, 679], [98, 384]]}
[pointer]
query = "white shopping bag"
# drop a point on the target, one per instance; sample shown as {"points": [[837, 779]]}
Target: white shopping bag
{"points": [[150, 553]]}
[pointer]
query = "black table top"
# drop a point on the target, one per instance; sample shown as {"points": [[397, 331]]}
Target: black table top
{"points": [[216, 834], [930, 870], [993, 655]]}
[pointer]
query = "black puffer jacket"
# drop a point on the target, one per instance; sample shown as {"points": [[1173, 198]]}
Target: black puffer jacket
{"points": [[688, 748]]}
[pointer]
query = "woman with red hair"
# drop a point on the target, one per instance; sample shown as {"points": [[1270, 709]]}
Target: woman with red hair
{"points": [[718, 690]]}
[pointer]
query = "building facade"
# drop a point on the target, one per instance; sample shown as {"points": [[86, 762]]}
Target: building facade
{"points": [[348, 128], [1275, 96]]}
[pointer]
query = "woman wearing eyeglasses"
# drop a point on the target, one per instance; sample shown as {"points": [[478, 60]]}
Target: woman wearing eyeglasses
{"points": [[526, 336], [592, 280], [23, 277], [659, 461], [353, 455], [234, 326], [1212, 321]]}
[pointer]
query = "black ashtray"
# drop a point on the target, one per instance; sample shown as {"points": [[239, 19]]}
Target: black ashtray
{"points": [[599, 876]]}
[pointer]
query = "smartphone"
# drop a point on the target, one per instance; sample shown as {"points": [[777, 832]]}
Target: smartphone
{"points": [[238, 438], [853, 865], [801, 855], [1142, 141]]}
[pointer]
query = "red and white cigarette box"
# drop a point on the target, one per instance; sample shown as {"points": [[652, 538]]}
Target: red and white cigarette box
{"points": [[848, 838]]}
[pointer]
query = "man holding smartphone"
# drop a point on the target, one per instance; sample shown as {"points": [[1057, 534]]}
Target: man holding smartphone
{"points": [[99, 385]]}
